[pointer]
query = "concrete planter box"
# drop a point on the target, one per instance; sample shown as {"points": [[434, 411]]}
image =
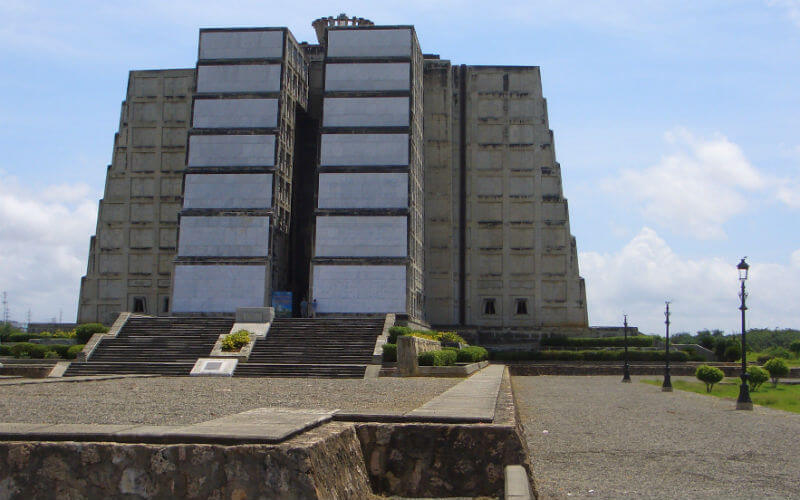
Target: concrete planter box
{"points": [[451, 371], [242, 354]]}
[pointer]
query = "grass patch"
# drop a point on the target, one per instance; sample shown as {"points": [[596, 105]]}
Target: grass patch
{"points": [[783, 397]]}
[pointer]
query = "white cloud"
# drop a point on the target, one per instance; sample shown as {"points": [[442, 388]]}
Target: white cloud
{"points": [[790, 7], [696, 188], [789, 193], [44, 236], [644, 273]]}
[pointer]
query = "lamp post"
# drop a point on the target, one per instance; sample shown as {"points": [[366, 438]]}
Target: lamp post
{"points": [[744, 402], [626, 373], [667, 385]]}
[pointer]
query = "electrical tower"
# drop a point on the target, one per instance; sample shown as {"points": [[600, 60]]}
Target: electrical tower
{"points": [[5, 308]]}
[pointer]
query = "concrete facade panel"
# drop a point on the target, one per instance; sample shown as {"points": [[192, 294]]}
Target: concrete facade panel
{"points": [[369, 43], [365, 112], [217, 288], [228, 191], [241, 44], [231, 150], [224, 237], [367, 76], [360, 289], [363, 190], [361, 236], [364, 149], [235, 113], [239, 78]]}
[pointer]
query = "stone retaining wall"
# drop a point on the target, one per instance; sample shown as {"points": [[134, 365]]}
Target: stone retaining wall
{"points": [[408, 348], [322, 463], [676, 369]]}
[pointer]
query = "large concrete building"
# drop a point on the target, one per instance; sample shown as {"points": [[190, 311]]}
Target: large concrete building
{"points": [[356, 172]]}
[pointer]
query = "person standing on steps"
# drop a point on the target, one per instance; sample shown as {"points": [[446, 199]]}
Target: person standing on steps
{"points": [[313, 312]]}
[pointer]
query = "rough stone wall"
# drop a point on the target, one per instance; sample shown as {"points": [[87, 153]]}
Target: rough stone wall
{"points": [[518, 253], [130, 256], [323, 463]]}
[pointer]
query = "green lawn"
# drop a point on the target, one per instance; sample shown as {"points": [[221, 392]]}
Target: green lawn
{"points": [[783, 397]]}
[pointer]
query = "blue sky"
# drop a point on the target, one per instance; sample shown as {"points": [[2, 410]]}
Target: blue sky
{"points": [[677, 126]]}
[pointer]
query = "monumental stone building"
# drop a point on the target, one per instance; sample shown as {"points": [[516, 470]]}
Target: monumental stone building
{"points": [[357, 173]]}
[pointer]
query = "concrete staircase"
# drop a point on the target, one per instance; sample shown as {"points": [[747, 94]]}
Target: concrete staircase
{"points": [[148, 345], [319, 347]]}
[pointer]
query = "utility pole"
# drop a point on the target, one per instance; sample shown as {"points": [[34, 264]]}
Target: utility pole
{"points": [[5, 308]]}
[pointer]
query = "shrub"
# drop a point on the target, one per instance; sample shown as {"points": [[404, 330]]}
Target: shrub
{"points": [[756, 376], [779, 352], [5, 350], [763, 358], [710, 375], [777, 368], [398, 331], [84, 332], [471, 354], [732, 352], [60, 349], [452, 337], [584, 342], [390, 352], [235, 341], [73, 350], [28, 350], [51, 355], [587, 355], [61, 334], [437, 358], [795, 347]]}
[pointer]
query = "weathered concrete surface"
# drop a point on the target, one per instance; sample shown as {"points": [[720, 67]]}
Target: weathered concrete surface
{"points": [[323, 463], [408, 348], [475, 397]]}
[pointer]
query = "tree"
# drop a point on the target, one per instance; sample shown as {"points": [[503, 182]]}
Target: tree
{"points": [[710, 375], [777, 368], [795, 347], [756, 376], [732, 352]]}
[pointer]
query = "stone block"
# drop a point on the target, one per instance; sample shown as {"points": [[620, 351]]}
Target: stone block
{"points": [[231, 150], [369, 43], [253, 44], [235, 113], [363, 190], [367, 76], [365, 112], [360, 288], [228, 191], [217, 288], [224, 237], [239, 78], [361, 236], [214, 367], [364, 149]]}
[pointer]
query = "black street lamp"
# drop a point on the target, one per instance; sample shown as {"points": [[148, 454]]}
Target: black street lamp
{"points": [[667, 385], [626, 373], [744, 402]]}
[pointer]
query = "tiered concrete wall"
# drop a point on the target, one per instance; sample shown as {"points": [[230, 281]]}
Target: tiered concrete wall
{"points": [[499, 248], [130, 256]]}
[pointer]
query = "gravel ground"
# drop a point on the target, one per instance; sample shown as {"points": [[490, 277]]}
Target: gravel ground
{"points": [[596, 437], [185, 400]]}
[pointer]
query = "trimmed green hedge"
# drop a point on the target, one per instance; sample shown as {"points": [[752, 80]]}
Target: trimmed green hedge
{"points": [[445, 357], [584, 342], [390, 352], [235, 341], [84, 332], [38, 351], [586, 355], [472, 354]]}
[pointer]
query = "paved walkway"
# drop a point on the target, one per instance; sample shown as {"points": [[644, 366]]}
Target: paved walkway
{"points": [[598, 438]]}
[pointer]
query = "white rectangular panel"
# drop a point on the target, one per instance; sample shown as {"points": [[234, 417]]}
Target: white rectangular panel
{"points": [[361, 236], [231, 150], [228, 191], [364, 149], [367, 76], [239, 78], [363, 190], [241, 44], [369, 42], [240, 236], [360, 289], [235, 113], [218, 288], [365, 112]]}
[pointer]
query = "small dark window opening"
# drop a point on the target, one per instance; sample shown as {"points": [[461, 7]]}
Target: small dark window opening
{"points": [[139, 305], [488, 307], [522, 306], [165, 305]]}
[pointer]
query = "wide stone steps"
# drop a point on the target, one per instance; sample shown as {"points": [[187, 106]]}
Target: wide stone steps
{"points": [[127, 368], [299, 370]]}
